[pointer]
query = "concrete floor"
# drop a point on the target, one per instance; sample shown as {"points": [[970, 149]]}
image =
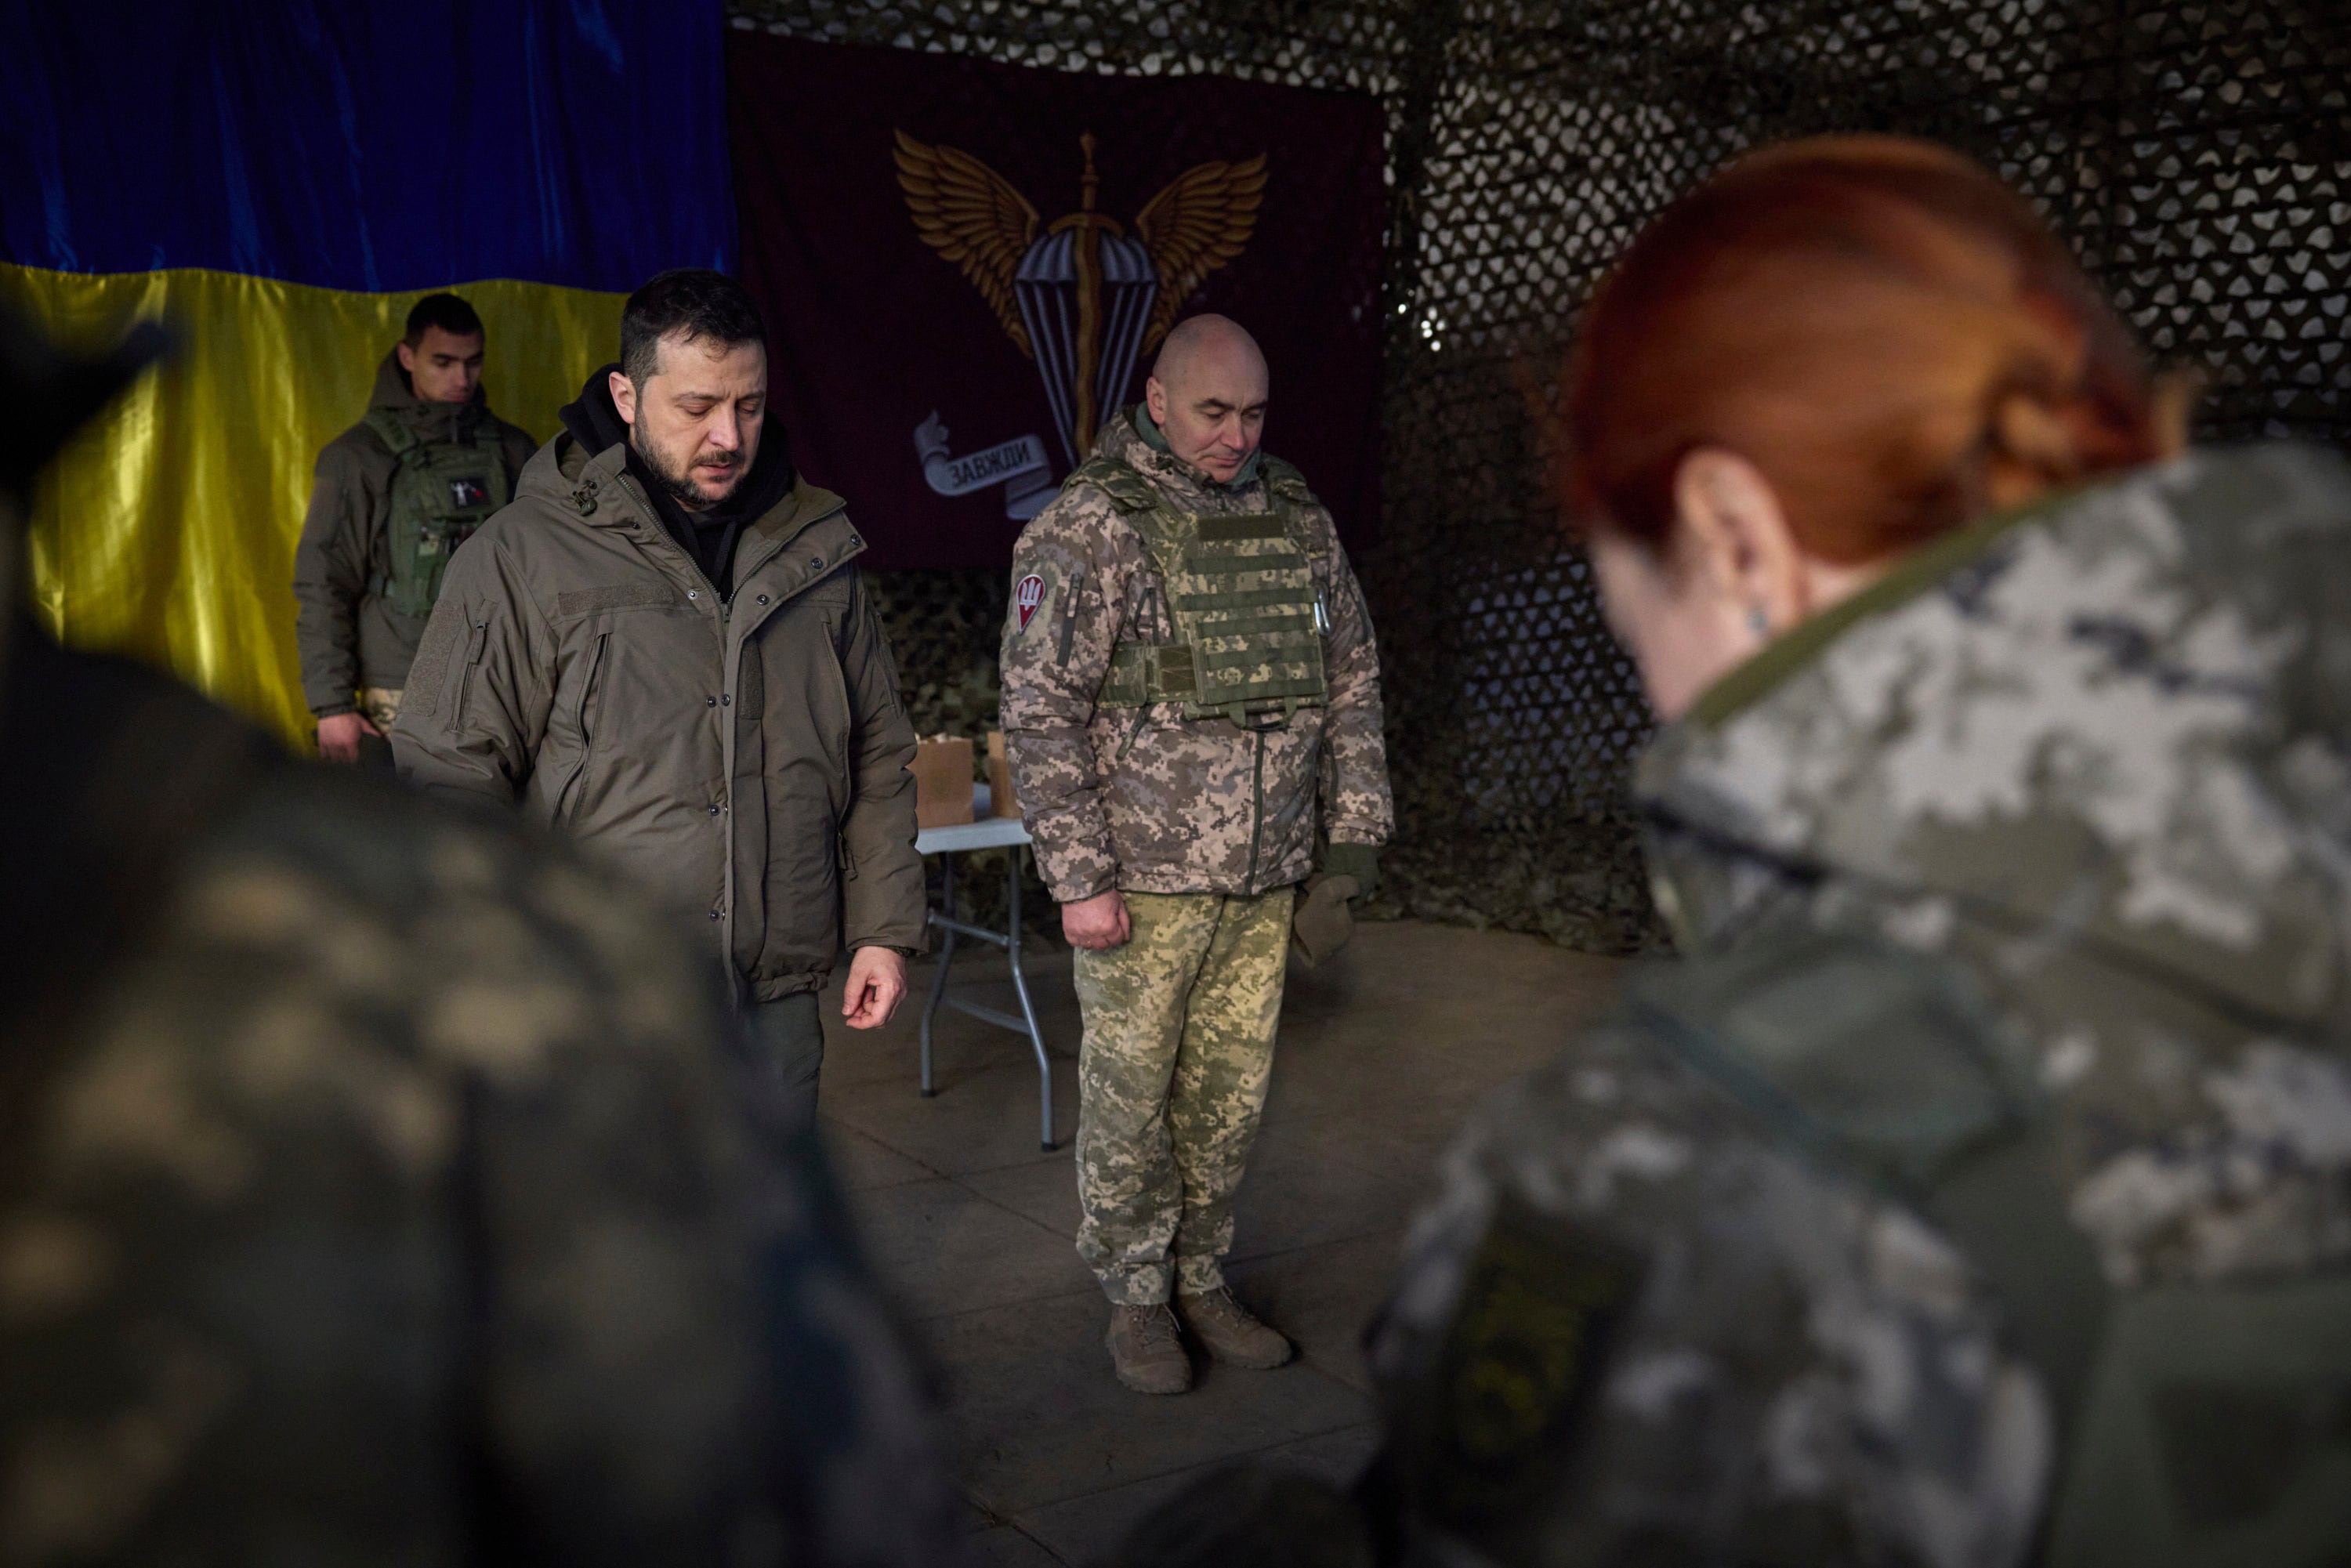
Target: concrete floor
{"points": [[971, 1224]]}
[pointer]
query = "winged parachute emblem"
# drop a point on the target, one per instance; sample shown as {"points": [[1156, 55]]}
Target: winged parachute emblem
{"points": [[1085, 298]]}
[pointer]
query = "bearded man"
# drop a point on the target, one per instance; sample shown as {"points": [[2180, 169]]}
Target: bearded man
{"points": [[664, 648]]}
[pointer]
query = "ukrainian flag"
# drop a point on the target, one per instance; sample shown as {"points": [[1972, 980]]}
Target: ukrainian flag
{"points": [[279, 181]]}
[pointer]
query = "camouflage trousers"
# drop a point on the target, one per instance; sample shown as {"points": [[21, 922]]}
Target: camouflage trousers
{"points": [[1179, 1025]]}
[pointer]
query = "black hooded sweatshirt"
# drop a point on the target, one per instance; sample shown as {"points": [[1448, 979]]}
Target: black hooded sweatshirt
{"points": [[708, 537]]}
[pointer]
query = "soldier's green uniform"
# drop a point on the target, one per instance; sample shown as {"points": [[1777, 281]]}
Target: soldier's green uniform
{"points": [[392, 498], [1980, 1185], [1190, 691]]}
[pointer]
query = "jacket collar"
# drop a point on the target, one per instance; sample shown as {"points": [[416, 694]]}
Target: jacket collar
{"points": [[1133, 439], [2061, 720], [605, 495]]}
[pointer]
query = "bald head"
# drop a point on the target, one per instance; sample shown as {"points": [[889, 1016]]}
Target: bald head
{"points": [[1208, 394]]}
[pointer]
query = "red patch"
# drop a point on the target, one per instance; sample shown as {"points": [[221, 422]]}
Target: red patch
{"points": [[1027, 596]]}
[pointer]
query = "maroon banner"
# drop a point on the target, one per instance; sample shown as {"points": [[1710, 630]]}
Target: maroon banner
{"points": [[966, 268]]}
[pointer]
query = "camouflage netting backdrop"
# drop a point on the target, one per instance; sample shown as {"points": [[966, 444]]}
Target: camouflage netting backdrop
{"points": [[2197, 155]]}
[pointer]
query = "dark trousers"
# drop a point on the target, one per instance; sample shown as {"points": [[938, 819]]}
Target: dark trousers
{"points": [[787, 1046]]}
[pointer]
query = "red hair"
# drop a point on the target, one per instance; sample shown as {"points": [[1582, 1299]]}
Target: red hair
{"points": [[1888, 333]]}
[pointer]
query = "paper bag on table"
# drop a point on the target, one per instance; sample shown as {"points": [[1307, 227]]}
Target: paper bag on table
{"points": [[942, 781]]}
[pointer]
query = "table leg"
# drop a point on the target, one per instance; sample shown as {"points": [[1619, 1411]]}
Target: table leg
{"points": [[945, 955], [1020, 987]]}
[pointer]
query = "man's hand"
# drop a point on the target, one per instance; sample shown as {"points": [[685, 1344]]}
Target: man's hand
{"points": [[876, 985], [338, 736], [1098, 922]]}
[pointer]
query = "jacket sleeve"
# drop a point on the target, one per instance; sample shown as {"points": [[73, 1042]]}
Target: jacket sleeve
{"points": [[1053, 664], [479, 694], [881, 901], [1357, 808], [330, 573]]}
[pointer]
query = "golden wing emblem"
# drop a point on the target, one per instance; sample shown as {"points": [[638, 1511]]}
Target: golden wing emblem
{"points": [[1196, 225], [971, 216]]}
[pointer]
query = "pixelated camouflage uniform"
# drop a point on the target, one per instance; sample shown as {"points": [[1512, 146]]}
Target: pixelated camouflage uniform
{"points": [[375, 1187], [1205, 825], [2084, 769]]}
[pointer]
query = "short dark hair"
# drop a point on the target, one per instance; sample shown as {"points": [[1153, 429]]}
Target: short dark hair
{"points": [[691, 299], [446, 311]]}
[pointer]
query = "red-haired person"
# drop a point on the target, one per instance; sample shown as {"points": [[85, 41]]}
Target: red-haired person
{"points": [[1976, 1187]]}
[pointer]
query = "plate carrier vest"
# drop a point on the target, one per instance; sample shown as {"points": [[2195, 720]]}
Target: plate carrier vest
{"points": [[441, 492], [1240, 590]]}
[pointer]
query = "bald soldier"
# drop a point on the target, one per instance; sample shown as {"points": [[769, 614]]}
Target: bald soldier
{"points": [[1192, 703]]}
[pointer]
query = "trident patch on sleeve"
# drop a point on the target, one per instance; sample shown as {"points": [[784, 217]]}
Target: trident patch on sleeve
{"points": [[1026, 597]]}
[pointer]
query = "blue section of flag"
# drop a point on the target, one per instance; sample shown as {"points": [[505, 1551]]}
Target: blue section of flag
{"points": [[367, 145]]}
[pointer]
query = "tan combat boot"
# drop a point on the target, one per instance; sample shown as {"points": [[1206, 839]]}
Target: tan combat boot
{"points": [[1229, 1333], [1145, 1351]]}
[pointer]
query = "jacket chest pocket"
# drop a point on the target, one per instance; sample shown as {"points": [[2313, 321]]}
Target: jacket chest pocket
{"points": [[802, 681]]}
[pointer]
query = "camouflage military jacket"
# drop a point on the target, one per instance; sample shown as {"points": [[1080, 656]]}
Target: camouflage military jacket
{"points": [[376, 1187], [1143, 798], [2091, 763]]}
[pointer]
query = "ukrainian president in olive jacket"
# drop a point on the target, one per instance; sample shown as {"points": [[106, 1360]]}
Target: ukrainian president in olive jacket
{"points": [[664, 647]]}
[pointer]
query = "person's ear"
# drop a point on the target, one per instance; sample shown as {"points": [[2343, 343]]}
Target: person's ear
{"points": [[1154, 398], [624, 397], [1737, 539], [407, 356]]}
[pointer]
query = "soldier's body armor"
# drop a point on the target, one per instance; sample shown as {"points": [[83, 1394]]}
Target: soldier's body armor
{"points": [[441, 492], [1241, 591]]}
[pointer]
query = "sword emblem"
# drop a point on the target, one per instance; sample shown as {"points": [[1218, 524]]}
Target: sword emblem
{"points": [[1085, 298]]}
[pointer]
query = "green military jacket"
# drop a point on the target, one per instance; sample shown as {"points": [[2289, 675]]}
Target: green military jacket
{"points": [[2034, 857], [744, 758], [349, 634]]}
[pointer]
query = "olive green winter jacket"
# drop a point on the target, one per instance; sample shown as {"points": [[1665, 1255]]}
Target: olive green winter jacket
{"points": [[348, 634], [746, 759]]}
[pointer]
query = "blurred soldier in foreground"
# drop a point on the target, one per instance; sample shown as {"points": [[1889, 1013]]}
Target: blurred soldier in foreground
{"points": [[374, 1183], [1188, 670], [665, 648], [1977, 1189], [394, 496]]}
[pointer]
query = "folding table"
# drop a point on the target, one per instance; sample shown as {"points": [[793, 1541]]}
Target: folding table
{"points": [[983, 832]]}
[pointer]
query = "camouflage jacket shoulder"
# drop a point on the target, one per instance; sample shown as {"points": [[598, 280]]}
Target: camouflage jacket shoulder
{"points": [[2096, 756], [400, 1145], [1146, 799]]}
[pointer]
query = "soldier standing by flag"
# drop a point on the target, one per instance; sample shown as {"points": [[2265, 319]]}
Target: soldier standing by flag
{"points": [[1188, 670], [393, 496]]}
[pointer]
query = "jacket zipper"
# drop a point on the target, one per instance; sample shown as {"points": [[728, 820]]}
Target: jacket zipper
{"points": [[730, 656]]}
